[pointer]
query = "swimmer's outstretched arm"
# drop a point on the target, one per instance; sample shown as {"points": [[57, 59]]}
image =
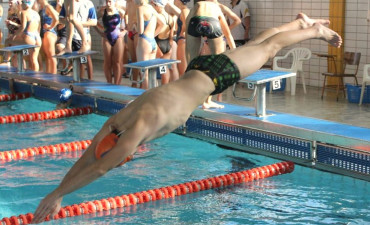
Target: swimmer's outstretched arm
{"points": [[87, 169]]}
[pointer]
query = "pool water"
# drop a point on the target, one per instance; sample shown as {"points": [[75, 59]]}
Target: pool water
{"points": [[305, 196]]}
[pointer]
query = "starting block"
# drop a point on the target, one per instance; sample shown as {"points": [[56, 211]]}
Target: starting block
{"points": [[77, 59], [152, 66], [20, 51], [257, 81]]}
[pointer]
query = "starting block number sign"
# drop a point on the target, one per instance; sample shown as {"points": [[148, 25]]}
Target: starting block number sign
{"points": [[162, 69], [25, 52], [83, 59], [276, 84], [250, 85]]}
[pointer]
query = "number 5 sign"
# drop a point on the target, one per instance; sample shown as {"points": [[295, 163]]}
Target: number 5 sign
{"points": [[276, 84]]}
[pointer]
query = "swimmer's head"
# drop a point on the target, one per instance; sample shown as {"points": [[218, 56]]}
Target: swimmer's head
{"points": [[65, 95], [184, 1], [110, 2], [160, 3], [28, 3]]}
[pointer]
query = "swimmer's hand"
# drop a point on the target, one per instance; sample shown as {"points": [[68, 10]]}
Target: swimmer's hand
{"points": [[50, 205]]}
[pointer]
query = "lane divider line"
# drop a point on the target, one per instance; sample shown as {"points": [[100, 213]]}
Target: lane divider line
{"points": [[47, 115], [159, 193], [14, 97]]}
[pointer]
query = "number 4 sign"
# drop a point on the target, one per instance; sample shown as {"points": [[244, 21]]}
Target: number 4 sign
{"points": [[162, 69]]}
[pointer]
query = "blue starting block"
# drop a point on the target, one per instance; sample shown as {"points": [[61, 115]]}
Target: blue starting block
{"points": [[152, 66], [20, 50], [77, 59], [257, 81]]}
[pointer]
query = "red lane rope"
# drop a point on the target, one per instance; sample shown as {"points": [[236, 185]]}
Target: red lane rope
{"points": [[159, 193], [47, 115], [13, 97], [74, 146], [18, 154]]}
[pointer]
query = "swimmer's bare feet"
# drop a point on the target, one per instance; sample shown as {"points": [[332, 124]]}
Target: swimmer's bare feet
{"points": [[64, 51], [328, 35], [308, 22], [84, 48], [211, 104]]}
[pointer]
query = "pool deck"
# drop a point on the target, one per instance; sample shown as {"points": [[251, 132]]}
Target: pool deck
{"points": [[320, 129], [287, 124]]}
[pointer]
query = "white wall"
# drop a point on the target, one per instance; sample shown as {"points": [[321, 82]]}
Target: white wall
{"points": [[269, 13]]}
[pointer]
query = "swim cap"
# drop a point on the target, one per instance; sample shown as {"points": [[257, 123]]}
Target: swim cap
{"points": [[65, 94], [28, 2], [161, 3], [185, 1], [106, 145]]}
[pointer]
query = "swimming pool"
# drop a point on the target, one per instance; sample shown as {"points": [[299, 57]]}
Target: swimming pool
{"points": [[304, 196]]}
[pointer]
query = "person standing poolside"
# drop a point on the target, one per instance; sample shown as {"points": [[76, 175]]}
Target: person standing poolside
{"points": [[74, 25], [241, 32], [149, 25], [1, 19], [84, 12], [112, 40], [206, 19], [180, 35], [160, 110], [132, 36], [164, 39], [13, 23], [49, 19], [29, 32]]}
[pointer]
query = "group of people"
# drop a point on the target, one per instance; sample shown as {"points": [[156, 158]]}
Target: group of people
{"points": [[162, 29], [55, 27], [130, 30]]}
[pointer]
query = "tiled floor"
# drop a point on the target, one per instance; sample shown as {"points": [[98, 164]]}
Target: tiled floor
{"points": [[308, 105]]}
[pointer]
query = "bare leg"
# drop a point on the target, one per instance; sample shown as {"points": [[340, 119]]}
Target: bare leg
{"points": [[117, 55], [216, 46], [302, 21], [255, 56]]}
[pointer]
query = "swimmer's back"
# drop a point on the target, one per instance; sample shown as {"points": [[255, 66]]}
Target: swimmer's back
{"points": [[206, 8]]}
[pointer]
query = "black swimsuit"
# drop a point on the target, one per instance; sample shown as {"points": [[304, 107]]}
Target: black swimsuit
{"points": [[222, 71], [204, 26]]}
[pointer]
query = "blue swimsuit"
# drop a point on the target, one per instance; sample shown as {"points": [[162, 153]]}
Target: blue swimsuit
{"points": [[112, 26], [35, 35], [45, 19], [149, 39]]}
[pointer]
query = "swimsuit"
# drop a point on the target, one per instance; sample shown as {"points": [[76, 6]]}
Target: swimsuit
{"points": [[203, 26], [62, 36], [222, 71], [131, 34], [149, 39], [35, 35], [107, 143], [112, 26], [179, 28], [164, 44], [45, 19]]}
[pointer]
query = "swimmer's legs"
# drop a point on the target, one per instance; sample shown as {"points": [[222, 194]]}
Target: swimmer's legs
{"points": [[302, 21], [250, 58]]}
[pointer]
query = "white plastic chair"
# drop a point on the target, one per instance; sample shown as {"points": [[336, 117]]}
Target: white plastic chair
{"points": [[365, 79], [298, 56]]}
